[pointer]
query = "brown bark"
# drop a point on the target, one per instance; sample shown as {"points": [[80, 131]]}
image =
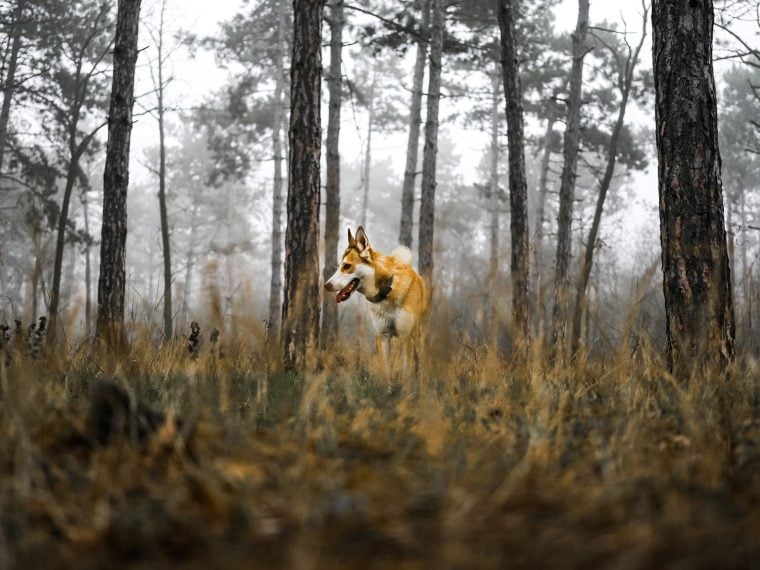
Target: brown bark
{"points": [[9, 85], [300, 308], [112, 282], [518, 186], [332, 179], [275, 287], [413, 142], [696, 275], [625, 83], [567, 180], [430, 150]]}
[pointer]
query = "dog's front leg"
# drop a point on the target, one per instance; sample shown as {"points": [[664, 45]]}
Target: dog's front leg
{"points": [[383, 348]]}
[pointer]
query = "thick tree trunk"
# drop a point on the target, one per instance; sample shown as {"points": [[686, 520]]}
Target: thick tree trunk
{"points": [[163, 213], [275, 287], [9, 85], [300, 308], [518, 185], [413, 142], [696, 277], [612, 148], [332, 180], [567, 181], [112, 282], [368, 149], [430, 151]]}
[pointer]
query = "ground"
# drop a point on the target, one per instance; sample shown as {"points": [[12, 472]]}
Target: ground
{"points": [[483, 461]]}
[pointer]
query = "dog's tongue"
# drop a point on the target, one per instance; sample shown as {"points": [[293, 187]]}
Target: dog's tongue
{"points": [[345, 293]]}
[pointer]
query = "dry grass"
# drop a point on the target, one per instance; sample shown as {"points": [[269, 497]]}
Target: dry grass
{"points": [[481, 462]]}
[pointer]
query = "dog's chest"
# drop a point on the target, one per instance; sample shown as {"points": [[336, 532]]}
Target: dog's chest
{"points": [[389, 319]]}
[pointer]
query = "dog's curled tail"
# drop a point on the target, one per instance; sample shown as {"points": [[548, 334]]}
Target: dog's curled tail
{"points": [[402, 254]]}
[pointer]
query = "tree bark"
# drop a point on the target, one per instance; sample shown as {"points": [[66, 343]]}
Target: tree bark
{"points": [[300, 308], [275, 288], [612, 148], [493, 258], [112, 282], [430, 151], [518, 186], [567, 181], [538, 230], [87, 267], [413, 142], [9, 85], [696, 276], [332, 180]]}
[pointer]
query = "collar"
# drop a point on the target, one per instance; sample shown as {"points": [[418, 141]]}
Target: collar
{"points": [[386, 286]]}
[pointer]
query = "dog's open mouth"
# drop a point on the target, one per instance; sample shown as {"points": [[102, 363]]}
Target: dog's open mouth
{"points": [[345, 293]]}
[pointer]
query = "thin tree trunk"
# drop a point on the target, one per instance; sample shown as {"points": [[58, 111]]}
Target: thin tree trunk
{"points": [[275, 287], [368, 149], [493, 258], [430, 150], [567, 181], [518, 185], [165, 241], [112, 282], [87, 267], [413, 142], [538, 231], [332, 180], [696, 276], [36, 271], [300, 308], [9, 85], [745, 266], [612, 149]]}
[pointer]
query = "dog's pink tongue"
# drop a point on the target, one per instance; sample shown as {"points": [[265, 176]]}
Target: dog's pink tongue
{"points": [[345, 293]]}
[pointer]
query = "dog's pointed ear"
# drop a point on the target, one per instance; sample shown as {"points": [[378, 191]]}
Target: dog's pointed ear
{"points": [[362, 242], [351, 240]]}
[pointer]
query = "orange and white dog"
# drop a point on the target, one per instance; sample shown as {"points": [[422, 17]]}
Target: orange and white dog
{"points": [[397, 294]]}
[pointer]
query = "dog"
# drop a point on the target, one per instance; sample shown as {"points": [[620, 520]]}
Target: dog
{"points": [[397, 294]]}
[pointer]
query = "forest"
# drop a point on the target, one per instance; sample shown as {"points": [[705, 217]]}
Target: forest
{"points": [[216, 352]]}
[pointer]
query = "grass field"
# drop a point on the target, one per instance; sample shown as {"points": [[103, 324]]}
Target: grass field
{"points": [[480, 462]]}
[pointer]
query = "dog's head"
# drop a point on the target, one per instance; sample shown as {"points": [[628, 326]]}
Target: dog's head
{"points": [[356, 270]]}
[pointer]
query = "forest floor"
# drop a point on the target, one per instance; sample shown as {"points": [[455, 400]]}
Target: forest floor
{"points": [[480, 462]]}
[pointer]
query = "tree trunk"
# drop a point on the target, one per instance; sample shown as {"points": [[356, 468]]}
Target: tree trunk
{"points": [[275, 287], [300, 308], [430, 151], [332, 180], [696, 277], [87, 267], [538, 230], [518, 185], [747, 320], [413, 143], [567, 181], [9, 85], [588, 260], [368, 149], [165, 241], [493, 258], [112, 282]]}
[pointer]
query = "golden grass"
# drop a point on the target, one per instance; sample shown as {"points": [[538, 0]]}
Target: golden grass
{"points": [[480, 462]]}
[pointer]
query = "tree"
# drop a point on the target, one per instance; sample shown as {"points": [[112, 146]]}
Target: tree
{"points": [[70, 95], [300, 310], [332, 180], [112, 281], [626, 58], [160, 84], [518, 186], [413, 142], [696, 276], [567, 183], [9, 81], [427, 204]]}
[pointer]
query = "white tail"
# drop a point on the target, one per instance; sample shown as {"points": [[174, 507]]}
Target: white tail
{"points": [[403, 254]]}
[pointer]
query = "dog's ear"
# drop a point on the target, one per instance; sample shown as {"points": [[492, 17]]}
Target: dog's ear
{"points": [[351, 240], [362, 243]]}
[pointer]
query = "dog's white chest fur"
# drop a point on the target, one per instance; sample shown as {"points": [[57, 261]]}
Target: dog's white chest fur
{"points": [[391, 320]]}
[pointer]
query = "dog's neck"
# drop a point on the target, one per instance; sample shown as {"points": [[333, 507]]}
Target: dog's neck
{"points": [[384, 286]]}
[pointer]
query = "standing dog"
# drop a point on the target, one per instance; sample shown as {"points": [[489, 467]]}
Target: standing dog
{"points": [[397, 294]]}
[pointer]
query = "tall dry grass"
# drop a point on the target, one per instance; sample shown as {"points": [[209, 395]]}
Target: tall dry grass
{"points": [[480, 461]]}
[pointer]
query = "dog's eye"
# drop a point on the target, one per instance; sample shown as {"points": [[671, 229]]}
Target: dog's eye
{"points": [[346, 266]]}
